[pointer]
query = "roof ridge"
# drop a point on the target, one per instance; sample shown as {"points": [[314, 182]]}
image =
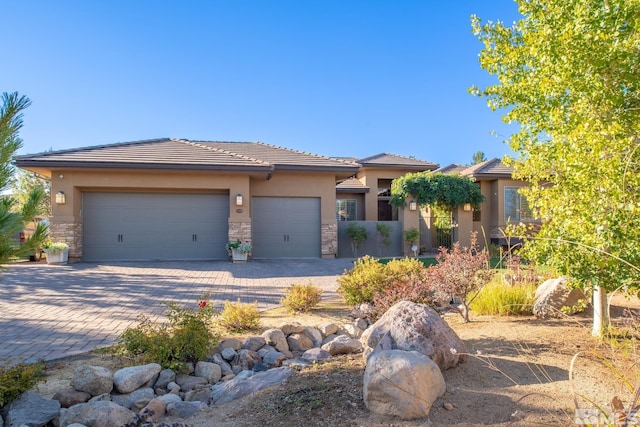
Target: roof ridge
{"points": [[395, 155], [306, 153], [220, 150]]}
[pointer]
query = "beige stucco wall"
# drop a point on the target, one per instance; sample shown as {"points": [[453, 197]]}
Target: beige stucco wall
{"points": [[66, 221], [370, 177], [292, 184]]}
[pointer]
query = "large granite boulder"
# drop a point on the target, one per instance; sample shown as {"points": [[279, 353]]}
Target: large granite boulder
{"points": [[131, 378], [554, 294], [415, 327], [30, 409], [98, 414], [402, 383], [94, 380]]}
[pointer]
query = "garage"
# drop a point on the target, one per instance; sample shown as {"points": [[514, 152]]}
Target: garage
{"points": [[154, 226], [286, 227]]}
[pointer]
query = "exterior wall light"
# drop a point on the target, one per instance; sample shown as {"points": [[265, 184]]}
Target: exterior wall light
{"points": [[238, 199], [413, 205], [61, 199], [467, 207]]}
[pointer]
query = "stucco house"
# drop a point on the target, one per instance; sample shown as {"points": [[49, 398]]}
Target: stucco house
{"points": [[163, 199], [503, 203]]}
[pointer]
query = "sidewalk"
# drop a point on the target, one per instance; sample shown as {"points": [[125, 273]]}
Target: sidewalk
{"points": [[49, 312]]}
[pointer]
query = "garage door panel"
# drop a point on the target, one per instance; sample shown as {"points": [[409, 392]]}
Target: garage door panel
{"points": [[286, 227], [148, 226]]}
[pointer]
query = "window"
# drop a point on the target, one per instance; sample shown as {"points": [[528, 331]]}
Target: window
{"points": [[516, 207], [346, 210]]}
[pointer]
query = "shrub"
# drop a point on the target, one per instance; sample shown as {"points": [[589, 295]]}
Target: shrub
{"points": [[383, 236], [459, 273], [357, 235], [187, 337], [501, 299], [414, 287], [360, 284], [239, 316], [301, 298], [16, 379]]}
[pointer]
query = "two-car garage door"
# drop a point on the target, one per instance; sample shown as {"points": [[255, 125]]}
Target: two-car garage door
{"points": [[154, 226]]}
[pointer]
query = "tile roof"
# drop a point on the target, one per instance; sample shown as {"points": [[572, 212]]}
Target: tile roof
{"points": [[452, 168], [352, 185], [492, 168], [167, 153], [385, 160]]}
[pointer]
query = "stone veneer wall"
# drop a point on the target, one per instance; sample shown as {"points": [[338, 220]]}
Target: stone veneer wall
{"points": [[239, 230], [69, 232], [329, 238]]}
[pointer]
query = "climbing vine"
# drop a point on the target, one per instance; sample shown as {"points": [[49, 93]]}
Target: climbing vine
{"points": [[435, 189]]}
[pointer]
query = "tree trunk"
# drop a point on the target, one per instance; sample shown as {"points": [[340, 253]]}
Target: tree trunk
{"points": [[600, 312]]}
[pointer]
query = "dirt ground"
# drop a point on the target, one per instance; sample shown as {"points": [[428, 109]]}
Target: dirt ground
{"points": [[518, 375]]}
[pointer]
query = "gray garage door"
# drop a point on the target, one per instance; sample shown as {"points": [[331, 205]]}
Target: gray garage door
{"points": [[286, 227], [153, 226]]}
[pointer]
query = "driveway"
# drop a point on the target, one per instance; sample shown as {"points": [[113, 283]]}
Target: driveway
{"points": [[49, 312]]}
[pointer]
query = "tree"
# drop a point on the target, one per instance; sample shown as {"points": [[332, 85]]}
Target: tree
{"points": [[24, 183], [446, 191], [568, 75], [357, 235], [478, 157], [12, 221]]}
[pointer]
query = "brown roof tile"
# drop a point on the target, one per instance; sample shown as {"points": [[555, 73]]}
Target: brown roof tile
{"points": [[492, 168], [166, 153], [385, 160]]}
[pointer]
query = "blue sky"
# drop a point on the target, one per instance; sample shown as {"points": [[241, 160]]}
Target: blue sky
{"points": [[336, 78]]}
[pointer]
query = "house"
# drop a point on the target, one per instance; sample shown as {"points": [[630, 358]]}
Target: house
{"points": [[163, 199], [503, 203]]}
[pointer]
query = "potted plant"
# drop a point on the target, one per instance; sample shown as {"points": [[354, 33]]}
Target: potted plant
{"points": [[56, 252], [239, 250]]}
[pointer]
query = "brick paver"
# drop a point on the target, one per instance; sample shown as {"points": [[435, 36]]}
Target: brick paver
{"points": [[49, 312]]}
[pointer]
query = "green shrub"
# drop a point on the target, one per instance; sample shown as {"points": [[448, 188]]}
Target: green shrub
{"points": [[301, 298], [16, 379], [360, 284], [239, 316], [187, 337], [402, 269], [501, 299]]}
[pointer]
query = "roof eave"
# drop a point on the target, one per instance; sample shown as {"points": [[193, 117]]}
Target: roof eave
{"points": [[352, 190], [25, 163]]}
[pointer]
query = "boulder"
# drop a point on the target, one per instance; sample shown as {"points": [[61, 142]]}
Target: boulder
{"points": [[314, 335], [30, 409], [254, 343], [327, 329], [276, 338], [402, 383], [246, 359], [154, 411], [299, 342], [353, 330], [225, 367], [233, 343], [127, 400], [94, 380], [415, 327], [554, 294], [164, 378], [169, 398], [190, 382], [274, 359], [185, 409], [342, 344], [128, 379], [248, 382], [70, 397], [228, 354], [317, 354], [211, 371], [98, 414], [291, 328]]}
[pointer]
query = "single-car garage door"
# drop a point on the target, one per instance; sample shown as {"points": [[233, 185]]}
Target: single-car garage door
{"points": [[286, 227], [154, 226]]}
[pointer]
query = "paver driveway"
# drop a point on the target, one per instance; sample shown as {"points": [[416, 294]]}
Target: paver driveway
{"points": [[48, 312]]}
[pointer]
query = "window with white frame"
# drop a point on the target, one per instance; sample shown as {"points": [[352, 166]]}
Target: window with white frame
{"points": [[346, 209], [516, 207]]}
